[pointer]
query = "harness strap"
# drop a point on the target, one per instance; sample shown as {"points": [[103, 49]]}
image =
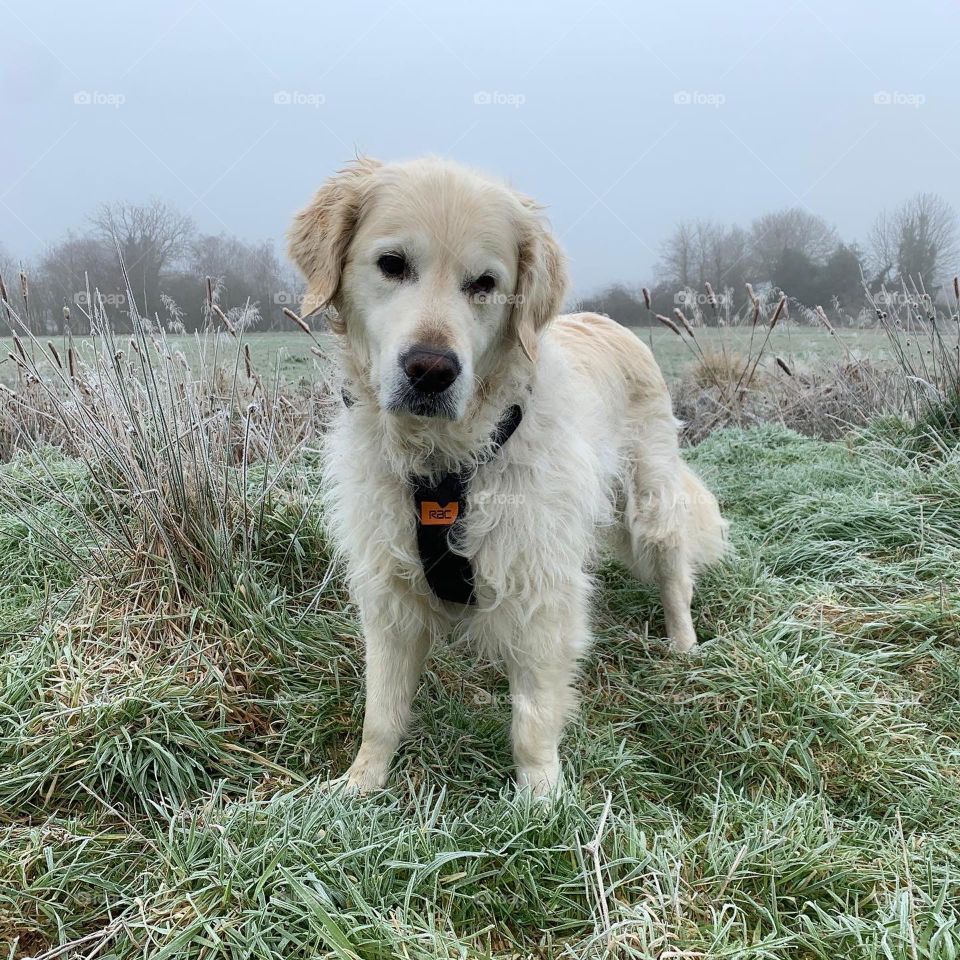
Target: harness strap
{"points": [[441, 506]]}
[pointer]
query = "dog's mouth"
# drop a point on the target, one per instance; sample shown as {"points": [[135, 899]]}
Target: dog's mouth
{"points": [[414, 402]]}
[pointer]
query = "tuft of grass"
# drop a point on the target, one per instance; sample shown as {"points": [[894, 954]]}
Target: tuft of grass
{"points": [[715, 367], [735, 377]]}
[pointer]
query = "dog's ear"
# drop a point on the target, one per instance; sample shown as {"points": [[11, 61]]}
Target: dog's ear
{"points": [[320, 235], [541, 279]]}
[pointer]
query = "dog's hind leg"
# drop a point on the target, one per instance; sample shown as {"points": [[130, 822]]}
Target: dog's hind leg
{"points": [[673, 528]]}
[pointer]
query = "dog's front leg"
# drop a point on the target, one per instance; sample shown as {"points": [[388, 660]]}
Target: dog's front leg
{"points": [[396, 647], [542, 667]]}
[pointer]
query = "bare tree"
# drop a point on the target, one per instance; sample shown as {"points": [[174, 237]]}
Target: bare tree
{"points": [[7, 262], [64, 270], [220, 255], [8, 271], [620, 303], [917, 240], [152, 237], [701, 251], [247, 272], [726, 257], [678, 264], [793, 229]]}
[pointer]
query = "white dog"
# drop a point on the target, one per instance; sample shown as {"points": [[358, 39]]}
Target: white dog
{"points": [[483, 444]]}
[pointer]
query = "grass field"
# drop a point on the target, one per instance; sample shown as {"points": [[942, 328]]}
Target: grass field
{"points": [[799, 345], [181, 673], [792, 792]]}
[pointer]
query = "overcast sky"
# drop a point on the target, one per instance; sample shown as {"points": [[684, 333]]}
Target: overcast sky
{"points": [[621, 117]]}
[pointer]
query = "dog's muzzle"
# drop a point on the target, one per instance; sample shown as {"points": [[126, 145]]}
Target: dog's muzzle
{"points": [[428, 375], [430, 371]]}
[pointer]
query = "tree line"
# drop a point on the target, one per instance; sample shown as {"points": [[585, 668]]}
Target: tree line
{"points": [[168, 260], [800, 254]]}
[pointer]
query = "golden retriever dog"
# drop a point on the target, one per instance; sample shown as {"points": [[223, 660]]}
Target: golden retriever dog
{"points": [[485, 448]]}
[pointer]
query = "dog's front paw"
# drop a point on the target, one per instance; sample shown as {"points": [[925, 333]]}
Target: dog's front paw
{"points": [[682, 638], [541, 781], [364, 776]]}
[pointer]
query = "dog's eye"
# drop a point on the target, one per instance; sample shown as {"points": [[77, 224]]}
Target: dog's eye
{"points": [[393, 265], [483, 285]]}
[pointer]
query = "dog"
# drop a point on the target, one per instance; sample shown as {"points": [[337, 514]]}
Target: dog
{"points": [[486, 447]]}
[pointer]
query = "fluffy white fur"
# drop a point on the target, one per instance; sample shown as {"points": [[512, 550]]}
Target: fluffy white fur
{"points": [[595, 458]]}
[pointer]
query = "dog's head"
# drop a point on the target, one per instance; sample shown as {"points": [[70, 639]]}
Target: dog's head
{"points": [[435, 273]]}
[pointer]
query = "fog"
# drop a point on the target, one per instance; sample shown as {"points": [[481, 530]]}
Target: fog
{"points": [[622, 118]]}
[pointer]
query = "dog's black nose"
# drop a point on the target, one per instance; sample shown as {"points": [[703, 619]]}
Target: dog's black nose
{"points": [[430, 370]]}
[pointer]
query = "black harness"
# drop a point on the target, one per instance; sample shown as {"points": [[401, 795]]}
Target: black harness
{"points": [[441, 505], [440, 514]]}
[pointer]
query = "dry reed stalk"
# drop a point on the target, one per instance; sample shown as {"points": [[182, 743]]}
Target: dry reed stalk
{"points": [[4, 298], [777, 313], [711, 296], [679, 314], [225, 320], [824, 319], [669, 324], [298, 320], [317, 348]]}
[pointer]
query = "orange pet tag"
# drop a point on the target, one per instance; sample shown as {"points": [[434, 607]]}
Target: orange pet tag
{"points": [[433, 515]]}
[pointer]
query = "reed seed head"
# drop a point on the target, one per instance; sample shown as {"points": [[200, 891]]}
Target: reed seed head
{"points": [[679, 314], [778, 311], [667, 322]]}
